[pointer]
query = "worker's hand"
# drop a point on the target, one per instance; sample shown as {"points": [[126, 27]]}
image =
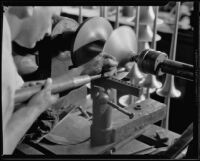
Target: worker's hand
{"points": [[94, 66], [109, 65], [102, 63], [44, 98], [22, 119], [33, 83]]}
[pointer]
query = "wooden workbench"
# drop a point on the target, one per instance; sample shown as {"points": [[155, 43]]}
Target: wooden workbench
{"points": [[143, 144], [75, 131]]}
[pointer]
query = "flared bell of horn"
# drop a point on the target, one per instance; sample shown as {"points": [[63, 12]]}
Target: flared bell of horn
{"points": [[150, 81], [146, 34], [121, 44], [126, 100], [140, 99], [147, 15], [135, 75], [93, 29], [142, 46], [93, 33], [169, 89]]}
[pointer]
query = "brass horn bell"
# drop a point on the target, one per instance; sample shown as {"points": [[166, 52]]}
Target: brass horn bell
{"points": [[93, 29], [147, 16], [96, 29], [146, 34], [121, 44], [168, 88]]}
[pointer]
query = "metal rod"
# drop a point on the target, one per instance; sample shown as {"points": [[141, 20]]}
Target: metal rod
{"points": [[137, 22], [117, 18], [132, 99], [153, 45], [101, 11], [113, 93], [172, 56], [105, 11], [80, 17]]}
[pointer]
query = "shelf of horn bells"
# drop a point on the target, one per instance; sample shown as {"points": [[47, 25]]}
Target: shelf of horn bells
{"points": [[76, 130], [74, 12]]}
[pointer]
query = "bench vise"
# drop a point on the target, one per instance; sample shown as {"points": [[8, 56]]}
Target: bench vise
{"points": [[110, 122]]}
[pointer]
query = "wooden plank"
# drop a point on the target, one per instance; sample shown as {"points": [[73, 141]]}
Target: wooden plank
{"points": [[151, 112], [144, 147], [83, 148], [133, 147]]}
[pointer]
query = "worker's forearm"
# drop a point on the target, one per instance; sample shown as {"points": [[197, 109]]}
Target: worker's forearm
{"points": [[17, 126]]}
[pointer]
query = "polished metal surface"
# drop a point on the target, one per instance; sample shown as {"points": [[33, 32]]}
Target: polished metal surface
{"points": [[147, 15], [146, 34], [121, 44], [96, 28]]}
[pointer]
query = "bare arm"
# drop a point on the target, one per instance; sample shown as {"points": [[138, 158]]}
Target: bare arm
{"points": [[21, 120]]}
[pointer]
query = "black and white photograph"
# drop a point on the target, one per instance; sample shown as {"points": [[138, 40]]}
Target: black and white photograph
{"points": [[107, 81]]}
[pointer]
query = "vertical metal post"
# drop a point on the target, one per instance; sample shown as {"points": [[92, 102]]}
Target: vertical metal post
{"points": [[113, 92], [117, 18], [105, 11], [101, 11], [172, 55], [80, 17], [137, 19], [137, 22], [153, 45]]}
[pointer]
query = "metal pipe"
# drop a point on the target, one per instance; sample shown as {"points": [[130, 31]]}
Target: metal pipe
{"points": [[178, 69], [105, 11], [153, 46], [101, 11], [80, 17], [117, 18], [137, 22], [157, 63], [170, 78], [137, 75]]}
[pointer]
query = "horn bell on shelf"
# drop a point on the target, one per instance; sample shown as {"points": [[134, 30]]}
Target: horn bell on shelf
{"points": [[147, 16], [169, 88], [146, 34]]}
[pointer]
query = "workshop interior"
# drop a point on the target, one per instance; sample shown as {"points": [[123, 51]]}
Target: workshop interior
{"points": [[141, 110]]}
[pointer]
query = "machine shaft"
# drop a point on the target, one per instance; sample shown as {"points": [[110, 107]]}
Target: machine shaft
{"points": [[156, 62]]}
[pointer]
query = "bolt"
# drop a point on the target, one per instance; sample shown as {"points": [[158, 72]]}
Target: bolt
{"points": [[138, 107]]}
